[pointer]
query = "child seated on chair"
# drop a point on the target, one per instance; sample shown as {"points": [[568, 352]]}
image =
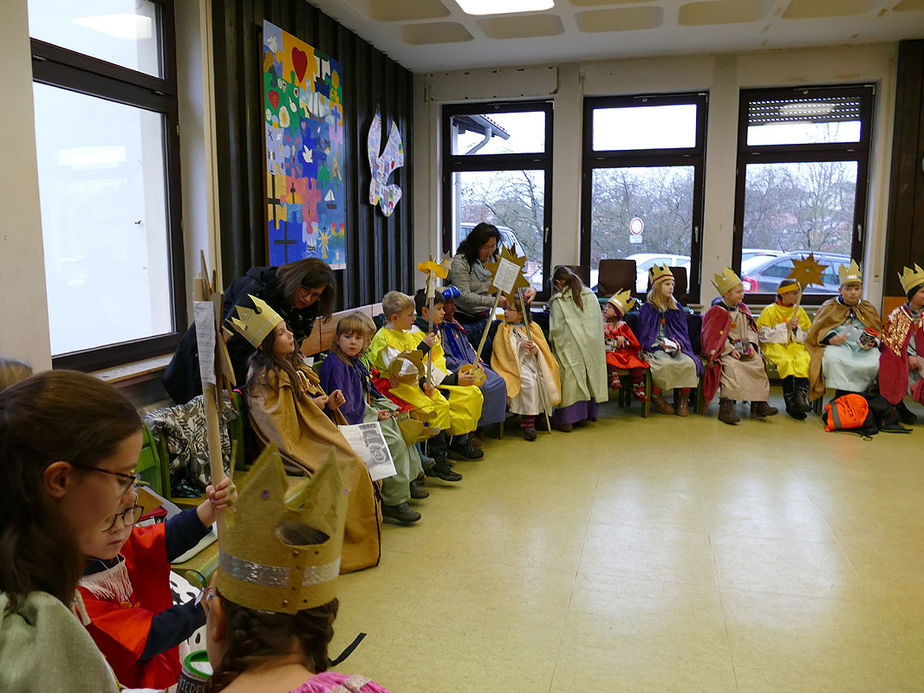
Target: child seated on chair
{"points": [[343, 371], [843, 339], [459, 351], [126, 590], [732, 355], [524, 360], [665, 340], [458, 415], [782, 330], [902, 355], [285, 401], [622, 348]]}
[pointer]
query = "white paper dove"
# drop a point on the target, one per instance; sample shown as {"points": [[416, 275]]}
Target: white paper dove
{"points": [[381, 167]]}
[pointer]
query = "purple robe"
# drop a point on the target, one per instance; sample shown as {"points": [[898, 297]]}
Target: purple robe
{"points": [[352, 379], [458, 350], [675, 328]]}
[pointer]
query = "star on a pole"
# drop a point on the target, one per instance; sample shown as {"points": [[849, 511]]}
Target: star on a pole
{"points": [[507, 272], [806, 270]]}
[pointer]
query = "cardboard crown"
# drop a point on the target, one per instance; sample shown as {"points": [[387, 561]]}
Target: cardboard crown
{"points": [[658, 272], [622, 301], [850, 274], [725, 281], [911, 278], [254, 324]]}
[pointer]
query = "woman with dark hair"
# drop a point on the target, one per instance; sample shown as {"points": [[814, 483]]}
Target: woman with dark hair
{"points": [[68, 446], [473, 280], [300, 291]]}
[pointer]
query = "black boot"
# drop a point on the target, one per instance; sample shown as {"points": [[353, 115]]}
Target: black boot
{"points": [[792, 407], [801, 392]]}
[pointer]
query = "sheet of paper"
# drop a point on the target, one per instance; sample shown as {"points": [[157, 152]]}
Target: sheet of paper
{"points": [[367, 441], [506, 275], [204, 312]]}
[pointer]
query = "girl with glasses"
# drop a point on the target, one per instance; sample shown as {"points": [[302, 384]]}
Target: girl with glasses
{"points": [[64, 439]]}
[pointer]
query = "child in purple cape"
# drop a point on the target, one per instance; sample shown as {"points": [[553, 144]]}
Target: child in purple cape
{"points": [[662, 332]]}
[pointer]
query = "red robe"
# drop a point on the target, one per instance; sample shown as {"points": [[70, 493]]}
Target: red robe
{"points": [[900, 327], [624, 357], [121, 630], [716, 326]]}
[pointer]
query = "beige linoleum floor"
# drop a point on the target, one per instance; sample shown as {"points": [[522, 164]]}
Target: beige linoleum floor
{"points": [[659, 554]]}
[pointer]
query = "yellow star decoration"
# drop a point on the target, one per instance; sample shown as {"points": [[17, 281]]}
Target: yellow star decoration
{"points": [[439, 269], [806, 271], [508, 255], [415, 357]]}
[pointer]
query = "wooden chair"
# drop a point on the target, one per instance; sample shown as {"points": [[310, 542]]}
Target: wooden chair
{"points": [[615, 275], [582, 271], [680, 283], [624, 394]]}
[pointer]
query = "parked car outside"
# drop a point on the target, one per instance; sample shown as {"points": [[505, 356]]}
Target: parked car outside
{"points": [[764, 253], [763, 275]]}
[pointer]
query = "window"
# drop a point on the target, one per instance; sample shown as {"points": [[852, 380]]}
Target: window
{"points": [[107, 151], [642, 184], [498, 168], [801, 185]]}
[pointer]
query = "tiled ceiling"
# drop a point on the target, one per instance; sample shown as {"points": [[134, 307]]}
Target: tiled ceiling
{"points": [[428, 35]]}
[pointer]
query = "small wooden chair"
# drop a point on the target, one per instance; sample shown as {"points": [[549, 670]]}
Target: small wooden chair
{"points": [[624, 394]]}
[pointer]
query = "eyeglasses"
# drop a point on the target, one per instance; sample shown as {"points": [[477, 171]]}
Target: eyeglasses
{"points": [[129, 517], [126, 480]]}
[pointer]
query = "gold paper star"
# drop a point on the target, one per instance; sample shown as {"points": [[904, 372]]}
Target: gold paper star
{"points": [[415, 357], [507, 255], [439, 269], [806, 271]]}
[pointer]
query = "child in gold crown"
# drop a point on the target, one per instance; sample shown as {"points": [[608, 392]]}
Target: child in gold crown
{"points": [[665, 339], [782, 330], [731, 353], [843, 339], [271, 605], [285, 399], [902, 357], [523, 359], [622, 348]]}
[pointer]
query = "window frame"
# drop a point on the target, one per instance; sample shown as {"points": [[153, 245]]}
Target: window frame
{"points": [[60, 67], [637, 158], [465, 163], [804, 153]]}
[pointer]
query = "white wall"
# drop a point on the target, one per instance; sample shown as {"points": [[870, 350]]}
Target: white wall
{"points": [[721, 75], [23, 312]]}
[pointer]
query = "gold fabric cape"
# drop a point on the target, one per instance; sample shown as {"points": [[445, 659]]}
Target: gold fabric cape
{"points": [[304, 435], [831, 315], [505, 363]]}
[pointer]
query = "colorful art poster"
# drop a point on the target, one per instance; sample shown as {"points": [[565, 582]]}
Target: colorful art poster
{"points": [[303, 111]]}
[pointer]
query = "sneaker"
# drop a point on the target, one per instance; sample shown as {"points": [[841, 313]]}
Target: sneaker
{"points": [[443, 471], [464, 450], [418, 491], [400, 513], [529, 432]]}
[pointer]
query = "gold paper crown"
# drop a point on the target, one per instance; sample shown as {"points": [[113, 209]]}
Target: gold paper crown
{"points": [[254, 324], [658, 272], [851, 273], [725, 281], [257, 568], [622, 301], [911, 278]]}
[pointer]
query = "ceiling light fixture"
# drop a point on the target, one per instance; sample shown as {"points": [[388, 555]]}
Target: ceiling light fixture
{"points": [[480, 7]]}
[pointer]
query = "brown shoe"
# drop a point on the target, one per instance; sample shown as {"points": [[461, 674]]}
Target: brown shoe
{"points": [[661, 404], [727, 412], [762, 409], [682, 407]]}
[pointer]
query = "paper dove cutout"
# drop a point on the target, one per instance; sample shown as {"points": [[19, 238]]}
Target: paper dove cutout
{"points": [[386, 196]]}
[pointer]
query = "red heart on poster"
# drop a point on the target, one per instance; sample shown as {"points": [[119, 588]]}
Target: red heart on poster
{"points": [[273, 97], [300, 63]]}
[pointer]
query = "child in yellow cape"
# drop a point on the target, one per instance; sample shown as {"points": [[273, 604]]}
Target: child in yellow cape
{"points": [[524, 360], [782, 330], [452, 399]]}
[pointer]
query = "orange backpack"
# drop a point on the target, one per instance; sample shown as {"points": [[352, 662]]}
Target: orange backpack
{"points": [[847, 412]]}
